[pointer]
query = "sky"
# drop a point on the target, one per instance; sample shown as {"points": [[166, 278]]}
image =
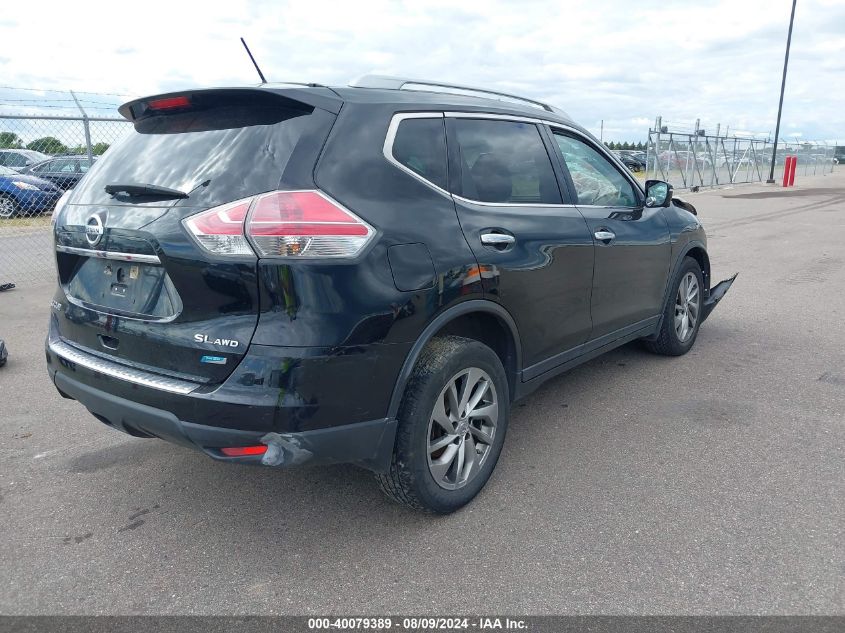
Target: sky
{"points": [[624, 62]]}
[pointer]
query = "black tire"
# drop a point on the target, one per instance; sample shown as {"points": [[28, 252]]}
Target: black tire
{"points": [[8, 207], [668, 343], [410, 480]]}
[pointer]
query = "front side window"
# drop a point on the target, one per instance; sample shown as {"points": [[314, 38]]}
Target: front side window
{"points": [[597, 182], [420, 145], [504, 162]]}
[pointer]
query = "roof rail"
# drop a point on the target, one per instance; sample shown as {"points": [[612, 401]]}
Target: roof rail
{"points": [[386, 82]]}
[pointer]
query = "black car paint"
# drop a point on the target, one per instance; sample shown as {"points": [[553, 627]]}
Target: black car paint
{"points": [[332, 344]]}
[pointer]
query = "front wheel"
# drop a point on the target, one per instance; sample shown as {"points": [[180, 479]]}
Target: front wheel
{"points": [[8, 207], [682, 316], [451, 426]]}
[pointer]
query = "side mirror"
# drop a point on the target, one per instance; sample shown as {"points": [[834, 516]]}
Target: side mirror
{"points": [[658, 193]]}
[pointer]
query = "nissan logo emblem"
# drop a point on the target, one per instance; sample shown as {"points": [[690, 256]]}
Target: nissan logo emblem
{"points": [[94, 230]]}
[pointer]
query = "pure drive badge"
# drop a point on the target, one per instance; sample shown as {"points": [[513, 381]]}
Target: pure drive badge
{"points": [[225, 342]]}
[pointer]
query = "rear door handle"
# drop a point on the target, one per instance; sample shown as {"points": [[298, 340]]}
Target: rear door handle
{"points": [[603, 235], [497, 239]]}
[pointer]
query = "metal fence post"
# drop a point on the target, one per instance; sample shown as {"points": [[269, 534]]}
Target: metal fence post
{"points": [[87, 129], [657, 127], [714, 157]]}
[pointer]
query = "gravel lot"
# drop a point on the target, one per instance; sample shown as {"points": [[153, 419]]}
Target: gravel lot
{"points": [[708, 484]]}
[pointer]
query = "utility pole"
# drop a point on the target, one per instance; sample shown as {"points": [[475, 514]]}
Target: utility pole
{"points": [[601, 133], [771, 179]]}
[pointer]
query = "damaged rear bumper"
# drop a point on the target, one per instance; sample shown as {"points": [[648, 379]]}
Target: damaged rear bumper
{"points": [[368, 444], [716, 293]]}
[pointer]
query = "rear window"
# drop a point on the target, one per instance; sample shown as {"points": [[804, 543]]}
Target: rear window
{"points": [[240, 146]]}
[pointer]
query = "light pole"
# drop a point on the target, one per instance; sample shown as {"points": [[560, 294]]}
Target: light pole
{"points": [[780, 104]]}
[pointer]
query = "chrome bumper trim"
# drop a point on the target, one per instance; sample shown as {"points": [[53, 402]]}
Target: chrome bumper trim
{"points": [[121, 372], [123, 257]]}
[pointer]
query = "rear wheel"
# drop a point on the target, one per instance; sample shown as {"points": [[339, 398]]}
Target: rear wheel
{"points": [[452, 425], [682, 316], [8, 207]]}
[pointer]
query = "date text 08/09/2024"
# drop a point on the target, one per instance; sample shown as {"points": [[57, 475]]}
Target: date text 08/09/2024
{"points": [[417, 624]]}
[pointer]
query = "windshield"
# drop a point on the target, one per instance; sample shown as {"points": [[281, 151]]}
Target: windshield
{"points": [[240, 150]]}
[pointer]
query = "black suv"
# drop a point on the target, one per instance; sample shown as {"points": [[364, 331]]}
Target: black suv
{"points": [[371, 274]]}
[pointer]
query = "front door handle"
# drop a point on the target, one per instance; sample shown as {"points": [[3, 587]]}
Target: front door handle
{"points": [[497, 239], [603, 235]]}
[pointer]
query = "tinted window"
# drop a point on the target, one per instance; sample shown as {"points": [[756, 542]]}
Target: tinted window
{"points": [[420, 145], [504, 161], [597, 182], [240, 149], [65, 166], [15, 160]]}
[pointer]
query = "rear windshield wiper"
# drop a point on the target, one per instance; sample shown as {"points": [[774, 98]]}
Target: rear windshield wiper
{"points": [[136, 189]]}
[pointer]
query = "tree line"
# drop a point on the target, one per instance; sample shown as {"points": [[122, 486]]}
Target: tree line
{"points": [[626, 145], [48, 145]]}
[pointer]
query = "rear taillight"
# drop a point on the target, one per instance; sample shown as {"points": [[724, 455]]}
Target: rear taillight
{"points": [[281, 224], [304, 224], [221, 230]]}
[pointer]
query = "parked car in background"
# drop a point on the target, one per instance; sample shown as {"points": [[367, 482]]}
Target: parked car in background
{"points": [[684, 159], [630, 160], [22, 194], [63, 171], [17, 159]]}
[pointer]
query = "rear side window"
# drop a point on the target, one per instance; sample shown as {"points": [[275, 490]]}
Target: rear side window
{"points": [[239, 147], [420, 145], [505, 162], [15, 160]]}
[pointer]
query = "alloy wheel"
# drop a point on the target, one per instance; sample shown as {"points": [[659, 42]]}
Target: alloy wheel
{"points": [[687, 304], [7, 207], [462, 428]]}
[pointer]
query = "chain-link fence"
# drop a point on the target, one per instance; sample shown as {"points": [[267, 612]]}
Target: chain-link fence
{"points": [[690, 159], [41, 157]]}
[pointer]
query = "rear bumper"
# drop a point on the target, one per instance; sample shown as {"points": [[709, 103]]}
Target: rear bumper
{"points": [[322, 405], [369, 444]]}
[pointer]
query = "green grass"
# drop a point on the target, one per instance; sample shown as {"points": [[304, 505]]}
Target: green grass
{"points": [[35, 221]]}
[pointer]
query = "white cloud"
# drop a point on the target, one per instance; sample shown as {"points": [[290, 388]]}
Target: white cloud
{"points": [[618, 61]]}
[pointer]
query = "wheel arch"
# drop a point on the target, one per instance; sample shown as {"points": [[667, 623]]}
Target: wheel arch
{"points": [[698, 251], [478, 319]]}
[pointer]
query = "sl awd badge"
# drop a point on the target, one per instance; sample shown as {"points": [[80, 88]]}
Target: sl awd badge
{"points": [[224, 342]]}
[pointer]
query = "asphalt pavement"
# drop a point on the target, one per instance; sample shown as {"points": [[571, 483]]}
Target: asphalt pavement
{"points": [[634, 484]]}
